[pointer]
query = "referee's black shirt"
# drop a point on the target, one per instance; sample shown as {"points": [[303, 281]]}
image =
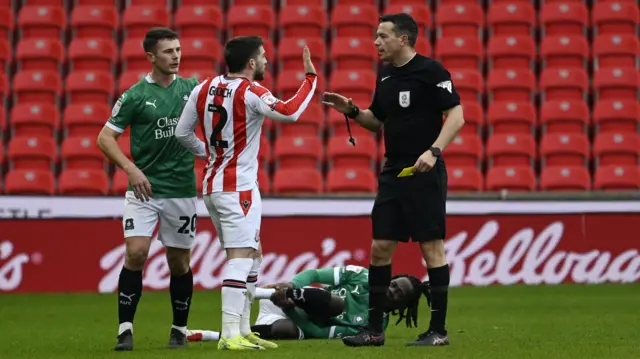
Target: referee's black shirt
{"points": [[409, 100]]}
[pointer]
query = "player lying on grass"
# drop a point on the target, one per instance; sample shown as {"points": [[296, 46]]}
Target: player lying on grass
{"points": [[295, 310]]}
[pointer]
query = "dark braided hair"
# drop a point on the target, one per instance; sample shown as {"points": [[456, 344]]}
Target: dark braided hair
{"points": [[409, 309]]}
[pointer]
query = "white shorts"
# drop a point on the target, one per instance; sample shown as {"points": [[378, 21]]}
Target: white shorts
{"points": [[270, 313], [177, 217], [237, 217]]}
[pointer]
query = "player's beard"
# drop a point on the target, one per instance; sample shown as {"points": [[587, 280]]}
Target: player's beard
{"points": [[258, 75]]}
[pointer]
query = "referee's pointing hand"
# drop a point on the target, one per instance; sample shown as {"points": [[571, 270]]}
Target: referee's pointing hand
{"points": [[337, 102], [425, 162]]}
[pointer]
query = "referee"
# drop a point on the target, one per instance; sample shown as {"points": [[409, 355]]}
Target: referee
{"points": [[412, 94]]}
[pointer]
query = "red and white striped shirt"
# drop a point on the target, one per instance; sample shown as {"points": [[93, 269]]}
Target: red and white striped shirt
{"points": [[231, 112]]}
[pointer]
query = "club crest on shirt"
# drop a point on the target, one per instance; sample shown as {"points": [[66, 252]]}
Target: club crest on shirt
{"points": [[405, 98]]}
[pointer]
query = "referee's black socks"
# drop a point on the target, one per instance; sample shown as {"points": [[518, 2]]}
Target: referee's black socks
{"points": [[439, 282], [379, 281]]}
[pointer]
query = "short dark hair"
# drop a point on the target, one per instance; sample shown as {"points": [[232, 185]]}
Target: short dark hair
{"points": [[239, 50], [156, 34], [409, 309], [404, 24]]}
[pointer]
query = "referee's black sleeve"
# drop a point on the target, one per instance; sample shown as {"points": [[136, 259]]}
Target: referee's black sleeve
{"points": [[376, 107], [447, 96]]}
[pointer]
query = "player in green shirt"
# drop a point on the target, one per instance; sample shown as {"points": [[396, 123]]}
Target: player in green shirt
{"points": [[162, 182], [295, 310]]}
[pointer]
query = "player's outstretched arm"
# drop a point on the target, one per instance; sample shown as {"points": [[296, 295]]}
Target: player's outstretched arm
{"points": [[261, 99], [185, 130], [364, 118]]}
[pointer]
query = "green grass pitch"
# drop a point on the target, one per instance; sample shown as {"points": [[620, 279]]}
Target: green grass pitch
{"points": [[599, 321]]}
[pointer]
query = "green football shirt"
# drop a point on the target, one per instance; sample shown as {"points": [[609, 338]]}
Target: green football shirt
{"points": [[152, 112], [350, 283]]}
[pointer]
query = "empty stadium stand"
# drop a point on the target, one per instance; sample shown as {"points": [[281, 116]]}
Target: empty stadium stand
{"points": [[551, 89]]}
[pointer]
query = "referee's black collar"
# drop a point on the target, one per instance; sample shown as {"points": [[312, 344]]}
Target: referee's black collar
{"points": [[406, 63]]}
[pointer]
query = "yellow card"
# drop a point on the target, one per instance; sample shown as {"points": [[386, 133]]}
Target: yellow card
{"points": [[406, 172]]}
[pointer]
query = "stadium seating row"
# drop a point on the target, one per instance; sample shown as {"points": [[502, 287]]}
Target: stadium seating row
{"points": [[341, 180], [458, 18]]}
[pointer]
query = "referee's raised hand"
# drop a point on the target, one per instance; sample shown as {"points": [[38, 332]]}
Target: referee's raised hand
{"points": [[337, 102]]}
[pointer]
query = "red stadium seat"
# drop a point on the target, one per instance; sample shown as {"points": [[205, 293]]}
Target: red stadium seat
{"points": [[298, 152], [616, 116], [4, 89], [338, 127], [138, 19], [616, 83], [354, 20], [85, 119], [506, 150], [571, 116], [617, 178], [268, 81], [564, 18], [82, 182], [465, 179], [264, 182], [520, 179], [419, 11], [564, 52], [120, 182], [358, 85], [37, 87], [40, 54], [34, 120], [615, 18], [198, 74], [468, 83], [290, 52], [464, 151], [81, 152], [27, 152], [511, 117], [29, 182], [351, 180], [297, 181], [616, 149], [6, 22], [342, 154], [511, 85], [41, 22], [300, 2], [251, 20], [265, 154], [459, 20], [565, 179], [93, 55], [571, 149], [509, 52], [302, 22], [564, 84], [130, 78], [310, 123], [132, 55], [460, 53], [616, 51], [289, 82], [350, 53], [511, 19], [473, 117], [423, 47], [125, 144], [94, 22], [89, 87], [205, 53], [199, 21], [6, 54]]}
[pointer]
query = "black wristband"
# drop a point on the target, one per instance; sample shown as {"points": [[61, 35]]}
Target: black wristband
{"points": [[354, 113]]}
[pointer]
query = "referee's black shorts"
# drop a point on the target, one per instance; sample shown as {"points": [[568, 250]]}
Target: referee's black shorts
{"points": [[411, 207]]}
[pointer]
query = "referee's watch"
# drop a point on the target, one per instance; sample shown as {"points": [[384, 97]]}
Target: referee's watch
{"points": [[435, 151]]}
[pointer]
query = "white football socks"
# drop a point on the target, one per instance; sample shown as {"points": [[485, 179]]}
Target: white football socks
{"points": [[234, 295], [245, 321], [124, 327]]}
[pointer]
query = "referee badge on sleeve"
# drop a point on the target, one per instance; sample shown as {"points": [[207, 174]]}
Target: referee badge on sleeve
{"points": [[405, 98]]}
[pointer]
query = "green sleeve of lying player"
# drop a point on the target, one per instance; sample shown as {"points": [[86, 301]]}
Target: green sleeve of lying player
{"points": [[313, 331], [328, 276]]}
